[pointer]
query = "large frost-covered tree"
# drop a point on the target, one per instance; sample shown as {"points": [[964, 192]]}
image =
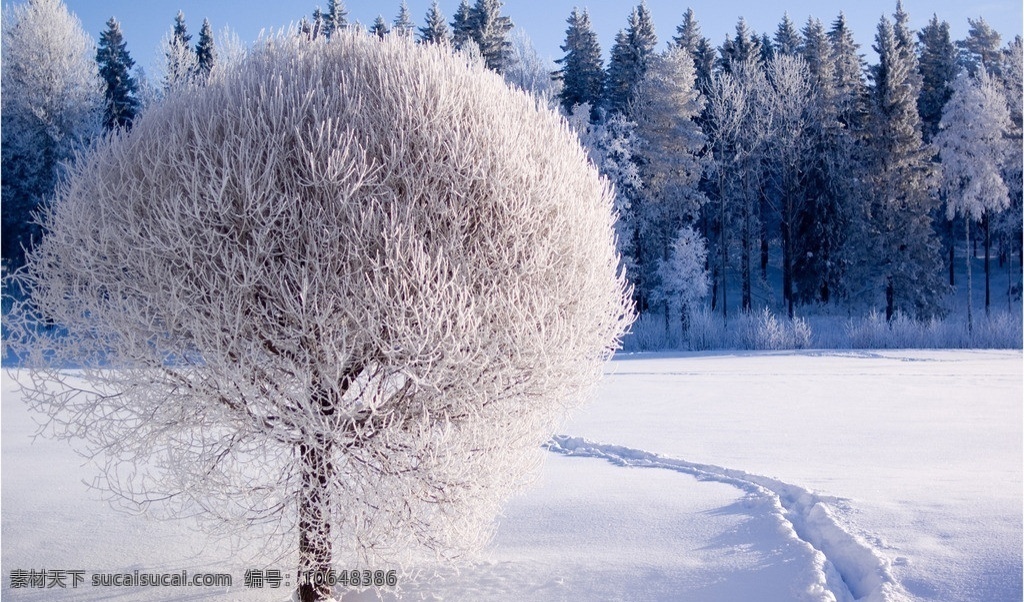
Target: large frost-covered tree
{"points": [[671, 159], [973, 148], [897, 250], [52, 104], [581, 72], [121, 91], [792, 107], [356, 317]]}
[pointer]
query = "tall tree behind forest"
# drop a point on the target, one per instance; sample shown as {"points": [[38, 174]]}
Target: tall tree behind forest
{"points": [[898, 253], [120, 90], [629, 58], [581, 73]]}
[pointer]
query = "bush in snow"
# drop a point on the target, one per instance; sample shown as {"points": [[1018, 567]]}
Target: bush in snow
{"points": [[345, 290]]}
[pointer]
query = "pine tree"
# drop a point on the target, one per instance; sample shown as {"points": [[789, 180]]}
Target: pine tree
{"points": [[181, 60], [335, 18], [900, 250], [688, 33], [489, 29], [787, 40], [581, 72], [688, 36], [462, 25], [972, 146], [938, 68], [120, 88], [403, 25], [318, 26], [206, 53], [744, 46], [436, 30], [851, 92], [629, 57], [901, 28], [379, 27], [981, 47]]}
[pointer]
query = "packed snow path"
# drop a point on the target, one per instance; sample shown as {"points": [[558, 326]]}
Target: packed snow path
{"points": [[850, 569]]}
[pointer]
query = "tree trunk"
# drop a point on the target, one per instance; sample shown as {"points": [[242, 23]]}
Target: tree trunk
{"points": [[970, 304], [988, 252], [952, 244], [314, 522], [787, 265], [890, 299], [745, 256]]}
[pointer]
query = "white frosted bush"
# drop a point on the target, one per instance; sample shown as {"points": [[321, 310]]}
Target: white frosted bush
{"points": [[346, 290]]}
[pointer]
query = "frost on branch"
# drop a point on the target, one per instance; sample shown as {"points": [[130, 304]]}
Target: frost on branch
{"points": [[345, 290]]}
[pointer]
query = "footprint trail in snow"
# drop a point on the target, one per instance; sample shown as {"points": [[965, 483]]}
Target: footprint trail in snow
{"points": [[849, 569]]}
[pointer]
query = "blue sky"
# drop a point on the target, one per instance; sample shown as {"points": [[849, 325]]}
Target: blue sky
{"points": [[145, 22]]}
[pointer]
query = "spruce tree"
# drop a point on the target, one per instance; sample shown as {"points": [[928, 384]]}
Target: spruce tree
{"points": [[938, 67], [787, 40], [688, 37], [436, 30], [181, 60], [746, 45], [403, 25], [120, 88], [629, 57], [206, 54], [318, 27], [981, 47], [335, 18], [851, 92], [900, 252], [688, 33], [820, 230], [462, 25], [379, 27], [489, 29], [581, 73]]}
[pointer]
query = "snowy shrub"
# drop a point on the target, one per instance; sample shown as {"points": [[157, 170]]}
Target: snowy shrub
{"points": [[707, 330], [345, 290]]}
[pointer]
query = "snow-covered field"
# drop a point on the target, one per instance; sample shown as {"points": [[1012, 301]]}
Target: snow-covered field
{"points": [[890, 475]]}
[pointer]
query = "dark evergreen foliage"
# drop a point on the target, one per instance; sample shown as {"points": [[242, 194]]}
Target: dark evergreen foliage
{"points": [[582, 73], [120, 90]]}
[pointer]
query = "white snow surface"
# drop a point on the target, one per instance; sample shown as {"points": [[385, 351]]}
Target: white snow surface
{"points": [[846, 476]]}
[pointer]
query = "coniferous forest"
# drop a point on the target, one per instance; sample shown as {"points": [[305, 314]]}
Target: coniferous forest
{"points": [[776, 174]]}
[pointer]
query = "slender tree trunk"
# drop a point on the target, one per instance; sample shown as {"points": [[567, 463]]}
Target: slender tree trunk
{"points": [[988, 253], [890, 299], [952, 245], [745, 253], [787, 258], [314, 522], [970, 303]]}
